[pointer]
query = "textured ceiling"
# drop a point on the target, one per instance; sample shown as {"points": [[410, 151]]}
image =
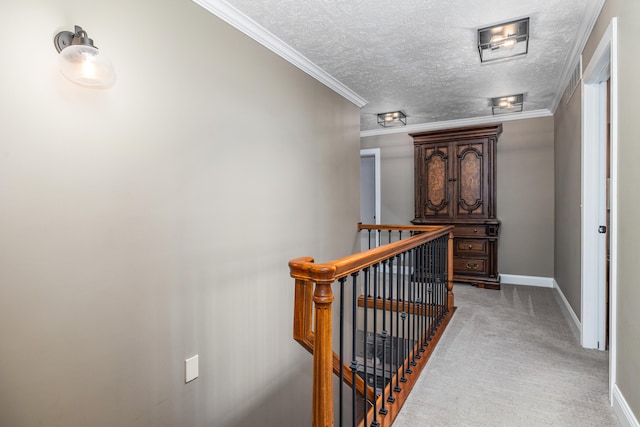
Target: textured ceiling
{"points": [[420, 56]]}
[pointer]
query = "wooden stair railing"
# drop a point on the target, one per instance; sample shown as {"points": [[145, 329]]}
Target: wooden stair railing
{"points": [[313, 321]]}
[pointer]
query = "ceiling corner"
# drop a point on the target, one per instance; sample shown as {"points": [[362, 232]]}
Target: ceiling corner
{"points": [[586, 26], [248, 26]]}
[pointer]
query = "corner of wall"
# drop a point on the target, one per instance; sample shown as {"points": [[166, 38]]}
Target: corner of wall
{"points": [[576, 326], [622, 410]]}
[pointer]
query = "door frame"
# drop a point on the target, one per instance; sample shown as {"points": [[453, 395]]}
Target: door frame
{"points": [[602, 66], [375, 153]]}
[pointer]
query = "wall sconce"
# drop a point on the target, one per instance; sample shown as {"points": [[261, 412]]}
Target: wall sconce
{"points": [[507, 104], [81, 62], [394, 118], [504, 40]]}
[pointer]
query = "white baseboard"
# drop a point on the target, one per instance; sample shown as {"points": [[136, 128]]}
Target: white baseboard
{"points": [[514, 279], [622, 409], [620, 406], [544, 282], [572, 313]]}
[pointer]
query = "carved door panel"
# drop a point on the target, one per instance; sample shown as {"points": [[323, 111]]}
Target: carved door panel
{"points": [[471, 187], [436, 191]]}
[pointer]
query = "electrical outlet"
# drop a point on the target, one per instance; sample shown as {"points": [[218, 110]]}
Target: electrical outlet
{"points": [[191, 369]]}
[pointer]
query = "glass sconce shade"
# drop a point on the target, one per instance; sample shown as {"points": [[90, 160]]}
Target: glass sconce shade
{"points": [[84, 65], [81, 62]]}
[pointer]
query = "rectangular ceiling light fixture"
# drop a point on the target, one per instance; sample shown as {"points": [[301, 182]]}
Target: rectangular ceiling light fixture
{"points": [[394, 118], [507, 104], [503, 41]]}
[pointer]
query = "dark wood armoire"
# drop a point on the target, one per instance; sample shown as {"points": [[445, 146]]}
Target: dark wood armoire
{"points": [[455, 184]]}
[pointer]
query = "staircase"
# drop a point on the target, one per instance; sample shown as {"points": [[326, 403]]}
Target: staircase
{"points": [[392, 304]]}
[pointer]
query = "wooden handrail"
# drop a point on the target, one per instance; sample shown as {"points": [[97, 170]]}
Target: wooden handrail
{"points": [[327, 273], [318, 339]]}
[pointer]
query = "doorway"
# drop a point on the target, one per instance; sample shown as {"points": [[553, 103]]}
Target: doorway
{"points": [[369, 193], [599, 242]]}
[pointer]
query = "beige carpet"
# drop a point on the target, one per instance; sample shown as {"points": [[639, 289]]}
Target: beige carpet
{"points": [[510, 358]]}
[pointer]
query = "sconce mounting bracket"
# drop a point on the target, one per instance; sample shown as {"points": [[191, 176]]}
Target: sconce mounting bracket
{"points": [[63, 39]]}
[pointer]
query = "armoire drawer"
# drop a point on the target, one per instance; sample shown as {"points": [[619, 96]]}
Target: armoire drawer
{"points": [[471, 247], [470, 231], [473, 266]]}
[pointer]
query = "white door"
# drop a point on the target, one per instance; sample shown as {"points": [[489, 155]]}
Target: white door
{"points": [[602, 66]]}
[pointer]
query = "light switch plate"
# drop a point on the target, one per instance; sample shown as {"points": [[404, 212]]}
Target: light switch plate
{"points": [[191, 369]]}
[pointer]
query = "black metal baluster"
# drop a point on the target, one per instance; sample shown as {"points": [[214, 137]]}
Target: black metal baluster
{"points": [[436, 284], [433, 288], [441, 283], [412, 262], [435, 291], [384, 334], [376, 278], [425, 263], [412, 323], [416, 302], [393, 309], [398, 342], [445, 251], [423, 299], [427, 293], [369, 237], [403, 316], [429, 289], [374, 361], [354, 361]]}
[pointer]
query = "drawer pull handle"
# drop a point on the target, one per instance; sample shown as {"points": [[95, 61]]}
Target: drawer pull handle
{"points": [[475, 230], [470, 246], [472, 266]]}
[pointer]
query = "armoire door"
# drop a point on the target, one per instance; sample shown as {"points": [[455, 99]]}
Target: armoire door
{"points": [[470, 179], [433, 182]]}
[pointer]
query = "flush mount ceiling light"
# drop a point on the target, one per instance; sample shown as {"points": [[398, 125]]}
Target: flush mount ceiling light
{"points": [[504, 40], [507, 104], [394, 118], [81, 62]]}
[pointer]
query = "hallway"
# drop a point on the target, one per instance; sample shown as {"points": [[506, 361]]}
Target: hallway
{"points": [[510, 358]]}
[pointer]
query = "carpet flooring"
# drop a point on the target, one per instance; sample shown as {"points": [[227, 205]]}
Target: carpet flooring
{"points": [[510, 358]]}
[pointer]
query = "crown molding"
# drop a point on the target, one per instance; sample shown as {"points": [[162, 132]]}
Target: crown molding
{"points": [[248, 26], [586, 27], [475, 121]]}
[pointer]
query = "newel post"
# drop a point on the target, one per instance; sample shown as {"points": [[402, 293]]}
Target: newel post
{"points": [[450, 272], [323, 357]]}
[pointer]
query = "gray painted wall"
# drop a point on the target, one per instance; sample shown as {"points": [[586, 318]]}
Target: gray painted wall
{"points": [[628, 336], [524, 191], [568, 199], [153, 221], [525, 197], [568, 132], [396, 176]]}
